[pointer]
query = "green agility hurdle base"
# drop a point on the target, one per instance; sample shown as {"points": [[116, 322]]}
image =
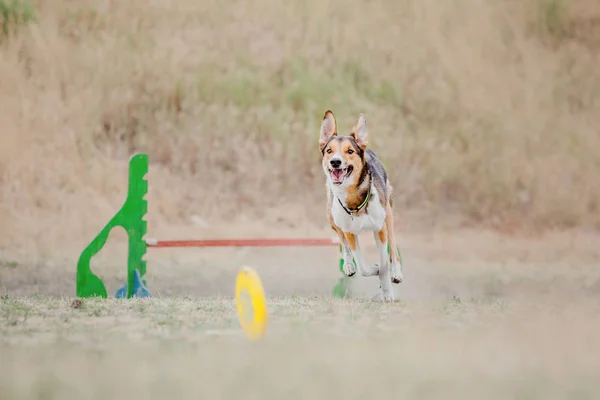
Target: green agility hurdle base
{"points": [[131, 218]]}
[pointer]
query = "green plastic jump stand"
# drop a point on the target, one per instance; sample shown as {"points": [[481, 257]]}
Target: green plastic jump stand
{"points": [[130, 217], [341, 289]]}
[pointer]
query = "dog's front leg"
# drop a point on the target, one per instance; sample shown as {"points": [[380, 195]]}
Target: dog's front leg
{"points": [[363, 268], [395, 264], [349, 267], [381, 238]]}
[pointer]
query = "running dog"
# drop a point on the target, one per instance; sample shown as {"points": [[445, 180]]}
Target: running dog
{"points": [[359, 199]]}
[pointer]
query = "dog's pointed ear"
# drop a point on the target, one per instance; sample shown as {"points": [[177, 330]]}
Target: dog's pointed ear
{"points": [[328, 129], [360, 133]]}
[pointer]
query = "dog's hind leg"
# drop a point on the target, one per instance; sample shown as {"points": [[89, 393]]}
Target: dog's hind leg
{"points": [[363, 268], [381, 238]]}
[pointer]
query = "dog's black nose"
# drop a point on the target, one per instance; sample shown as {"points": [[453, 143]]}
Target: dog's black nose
{"points": [[335, 163]]}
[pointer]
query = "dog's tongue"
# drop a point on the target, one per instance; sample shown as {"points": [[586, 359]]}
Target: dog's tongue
{"points": [[337, 174]]}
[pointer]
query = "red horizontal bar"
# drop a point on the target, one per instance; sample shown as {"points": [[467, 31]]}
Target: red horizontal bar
{"points": [[242, 242]]}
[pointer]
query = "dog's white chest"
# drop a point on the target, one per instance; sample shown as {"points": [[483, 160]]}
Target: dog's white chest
{"points": [[372, 220]]}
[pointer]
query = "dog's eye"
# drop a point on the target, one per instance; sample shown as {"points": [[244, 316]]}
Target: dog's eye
{"points": [[350, 151], [328, 151]]}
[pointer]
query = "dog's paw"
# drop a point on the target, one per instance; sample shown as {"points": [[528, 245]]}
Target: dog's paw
{"points": [[387, 296], [396, 275], [349, 268]]}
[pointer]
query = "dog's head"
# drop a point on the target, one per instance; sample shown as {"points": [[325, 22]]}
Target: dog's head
{"points": [[343, 156]]}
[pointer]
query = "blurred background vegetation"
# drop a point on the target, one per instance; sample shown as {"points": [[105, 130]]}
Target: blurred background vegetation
{"points": [[485, 113]]}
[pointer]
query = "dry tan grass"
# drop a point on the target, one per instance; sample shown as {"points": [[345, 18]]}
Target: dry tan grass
{"points": [[484, 112], [481, 316], [315, 348]]}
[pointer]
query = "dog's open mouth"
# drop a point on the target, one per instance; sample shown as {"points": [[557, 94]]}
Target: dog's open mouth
{"points": [[339, 174]]}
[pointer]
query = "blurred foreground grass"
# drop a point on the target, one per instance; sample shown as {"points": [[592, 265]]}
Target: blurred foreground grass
{"points": [[314, 348]]}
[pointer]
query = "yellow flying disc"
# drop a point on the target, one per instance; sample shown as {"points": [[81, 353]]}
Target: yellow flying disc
{"points": [[251, 303]]}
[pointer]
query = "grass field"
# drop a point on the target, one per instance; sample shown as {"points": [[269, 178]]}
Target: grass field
{"points": [[479, 316], [316, 348]]}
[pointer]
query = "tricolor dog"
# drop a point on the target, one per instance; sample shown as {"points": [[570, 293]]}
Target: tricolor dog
{"points": [[359, 199]]}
